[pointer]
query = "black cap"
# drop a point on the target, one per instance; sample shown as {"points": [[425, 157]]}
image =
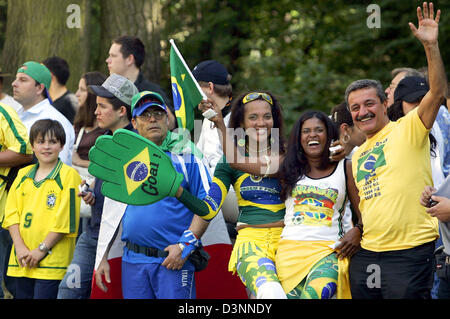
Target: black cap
{"points": [[211, 71], [411, 89]]}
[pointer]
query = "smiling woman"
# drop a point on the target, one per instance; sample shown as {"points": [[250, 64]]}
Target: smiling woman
{"points": [[315, 193]]}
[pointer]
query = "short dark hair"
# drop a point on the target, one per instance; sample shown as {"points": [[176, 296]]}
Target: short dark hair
{"points": [[340, 114], [50, 127], [117, 104], [366, 84], [132, 45], [59, 68]]}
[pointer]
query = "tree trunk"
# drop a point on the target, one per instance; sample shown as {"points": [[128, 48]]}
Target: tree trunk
{"points": [[140, 18], [36, 30]]}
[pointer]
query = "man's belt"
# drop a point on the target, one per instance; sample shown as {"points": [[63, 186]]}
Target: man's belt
{"points": [[147, 251]]}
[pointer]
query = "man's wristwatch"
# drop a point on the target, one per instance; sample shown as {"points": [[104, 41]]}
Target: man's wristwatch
{"points": [[43, 247], [181, 247]]}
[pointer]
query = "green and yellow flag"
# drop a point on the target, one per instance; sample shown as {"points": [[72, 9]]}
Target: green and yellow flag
{"points": [[186, 92]]}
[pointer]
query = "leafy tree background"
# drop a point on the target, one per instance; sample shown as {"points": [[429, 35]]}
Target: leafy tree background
{"points": [[305, 52]]}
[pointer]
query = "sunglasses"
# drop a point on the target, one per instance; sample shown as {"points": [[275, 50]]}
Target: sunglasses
{"points": [[257, 95], [146, 116]]}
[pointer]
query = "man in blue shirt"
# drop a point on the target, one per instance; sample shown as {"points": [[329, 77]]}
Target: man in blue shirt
{"points": [[160, 237]]}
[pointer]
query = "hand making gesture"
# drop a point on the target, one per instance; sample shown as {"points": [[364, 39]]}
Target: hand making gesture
{"points": [[427, 32]]}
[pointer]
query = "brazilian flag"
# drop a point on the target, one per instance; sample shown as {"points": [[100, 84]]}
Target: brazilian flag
{"points": [[185, 90]]}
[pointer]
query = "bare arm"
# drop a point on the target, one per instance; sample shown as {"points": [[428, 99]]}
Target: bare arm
{"points": [[10, 158], [36, 255], [351, 241], [21, 249], [427, 33], [174, 261]]}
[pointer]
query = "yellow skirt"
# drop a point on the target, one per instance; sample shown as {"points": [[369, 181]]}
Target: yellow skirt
{"points": [[248, 238], [294, 260]]}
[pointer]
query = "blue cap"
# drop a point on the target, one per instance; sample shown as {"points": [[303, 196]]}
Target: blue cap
{"points": [[145, 99]]}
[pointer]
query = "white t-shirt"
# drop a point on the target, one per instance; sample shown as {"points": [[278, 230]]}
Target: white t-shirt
{"points": [[316, 207], [9, 100], [44, 110]]}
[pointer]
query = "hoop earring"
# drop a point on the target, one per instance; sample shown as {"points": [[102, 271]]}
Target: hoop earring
{"points": [[346, 139]]}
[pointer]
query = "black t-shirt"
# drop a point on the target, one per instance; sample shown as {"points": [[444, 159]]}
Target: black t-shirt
{"points": [[66, 104], [144, 85]]}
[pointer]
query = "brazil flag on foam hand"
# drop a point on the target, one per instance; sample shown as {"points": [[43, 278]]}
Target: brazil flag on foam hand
{"points": [[185, 90], [133, 169]]}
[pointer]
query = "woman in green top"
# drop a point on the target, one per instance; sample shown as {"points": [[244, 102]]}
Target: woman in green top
{"points": [[253, 148]]}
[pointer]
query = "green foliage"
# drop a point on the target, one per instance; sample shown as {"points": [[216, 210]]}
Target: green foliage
{"points": [[305, 52]]}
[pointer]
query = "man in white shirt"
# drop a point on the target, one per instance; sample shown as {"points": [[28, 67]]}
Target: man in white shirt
{"points": [[30, 88], [214, 80]]}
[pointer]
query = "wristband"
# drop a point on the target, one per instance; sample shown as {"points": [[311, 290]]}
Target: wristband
{"points": [[190, 243]]}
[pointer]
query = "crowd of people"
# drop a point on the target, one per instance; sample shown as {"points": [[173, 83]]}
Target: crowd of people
{"points": [[343, 208]]}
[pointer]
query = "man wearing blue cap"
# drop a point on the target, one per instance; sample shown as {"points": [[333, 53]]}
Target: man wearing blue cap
{"points": [[30, 89], [160, 237]]}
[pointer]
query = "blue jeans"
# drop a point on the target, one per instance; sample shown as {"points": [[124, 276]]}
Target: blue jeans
{"points": [[153, 281], [5, 249], [76, 283], [30, 288]]}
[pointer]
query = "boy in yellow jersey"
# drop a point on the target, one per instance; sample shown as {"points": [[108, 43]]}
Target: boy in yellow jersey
{"points": [[42, 214], [390, 170]]}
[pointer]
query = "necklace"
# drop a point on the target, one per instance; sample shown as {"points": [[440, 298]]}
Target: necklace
{"points": [[256, 151]]}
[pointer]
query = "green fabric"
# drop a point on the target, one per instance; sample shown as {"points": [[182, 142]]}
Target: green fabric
{"points": [[193, 203], [134, 170], [38, 72], [321, 282], [186, 94]]}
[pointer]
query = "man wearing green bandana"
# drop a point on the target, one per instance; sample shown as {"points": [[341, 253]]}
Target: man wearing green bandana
{"points": [[159, 237]]}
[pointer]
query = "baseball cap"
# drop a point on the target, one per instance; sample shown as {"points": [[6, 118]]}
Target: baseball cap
{"points": [[116, 86], [38, 72], [211, 71], [145, 99], [411, 89]]}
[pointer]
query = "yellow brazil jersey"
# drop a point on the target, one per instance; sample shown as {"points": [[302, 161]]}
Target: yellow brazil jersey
{"points": [[391, 170], [13, 137], [50, 205]]}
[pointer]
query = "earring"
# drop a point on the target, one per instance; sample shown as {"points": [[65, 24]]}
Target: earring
{"points": [[346, 139]]}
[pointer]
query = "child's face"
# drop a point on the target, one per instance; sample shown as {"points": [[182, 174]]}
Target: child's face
{"points": [[47, 149]]}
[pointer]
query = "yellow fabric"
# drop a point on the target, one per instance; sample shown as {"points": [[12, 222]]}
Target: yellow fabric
{"points": [[51, 205], [13, 137], [391, 170], [295, 259], [265, 238]]}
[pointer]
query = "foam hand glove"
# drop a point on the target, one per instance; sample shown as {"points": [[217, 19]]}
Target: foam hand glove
{"points": [[190, 243], [133, 169]]}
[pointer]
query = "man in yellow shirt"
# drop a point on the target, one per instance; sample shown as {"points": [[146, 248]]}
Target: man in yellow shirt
{"points": [[391, 169], [15, 150]]}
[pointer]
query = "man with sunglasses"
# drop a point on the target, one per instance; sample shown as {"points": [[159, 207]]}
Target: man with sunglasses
{"points": [[159, 237]]}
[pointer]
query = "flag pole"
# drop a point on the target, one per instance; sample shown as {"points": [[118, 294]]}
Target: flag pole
{"points": [[187, 68]]}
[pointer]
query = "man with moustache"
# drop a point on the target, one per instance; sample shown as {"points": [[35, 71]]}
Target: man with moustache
{"points": [[391, 169]]}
